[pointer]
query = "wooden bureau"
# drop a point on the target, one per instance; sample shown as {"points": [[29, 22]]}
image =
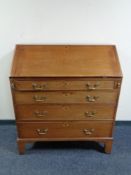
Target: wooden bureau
{"points": [[65, 93]]}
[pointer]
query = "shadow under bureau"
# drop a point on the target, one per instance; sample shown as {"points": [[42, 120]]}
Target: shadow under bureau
{"points": [[65, 93]]}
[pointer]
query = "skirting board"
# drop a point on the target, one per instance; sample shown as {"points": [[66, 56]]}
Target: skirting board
{"points": [[118, 123]]}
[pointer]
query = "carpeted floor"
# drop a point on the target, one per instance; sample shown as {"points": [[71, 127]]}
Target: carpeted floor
{"points": [[65, 158]]}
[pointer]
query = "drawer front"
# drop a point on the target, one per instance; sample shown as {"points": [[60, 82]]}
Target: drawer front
{"points": [[65, 112], [65, 97], [65, 129], [63, 85]]}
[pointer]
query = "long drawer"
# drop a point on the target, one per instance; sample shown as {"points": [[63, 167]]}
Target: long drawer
{"points": [[65, 97], [30, 85], [65, 112], [68, 129]]}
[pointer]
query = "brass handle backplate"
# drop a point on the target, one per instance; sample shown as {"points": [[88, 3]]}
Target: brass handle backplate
{"points": [[39, 98], [42, 131], [91, 98], [38, 86], [88, 131], [92, 86], [40, 114], [90, 114]]}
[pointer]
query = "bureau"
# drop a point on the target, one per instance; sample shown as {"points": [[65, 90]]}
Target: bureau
{"points": [[65, 93]]}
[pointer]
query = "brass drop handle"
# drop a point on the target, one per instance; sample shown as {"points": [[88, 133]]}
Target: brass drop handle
{"points": [[39, 98], [92, 86], [90, 114], [42, 131], [40, 114], [91, 98], [38, 87], [88, 131]]}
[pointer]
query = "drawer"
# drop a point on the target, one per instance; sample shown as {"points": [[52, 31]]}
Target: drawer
{"points": [[65, 97], [63, 85], [65, 112], [72, 129]]}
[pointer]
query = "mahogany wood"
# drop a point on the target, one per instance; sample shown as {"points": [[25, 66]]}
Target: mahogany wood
{"points": [[66, 97], [65, 92], [64, 112], [49, 85], [67, 129]]}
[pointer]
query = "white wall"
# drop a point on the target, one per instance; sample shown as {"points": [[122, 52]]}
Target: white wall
{"points": [[65, 22]]}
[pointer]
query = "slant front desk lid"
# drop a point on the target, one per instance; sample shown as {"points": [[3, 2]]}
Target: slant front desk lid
{"points": [[65, 61]]}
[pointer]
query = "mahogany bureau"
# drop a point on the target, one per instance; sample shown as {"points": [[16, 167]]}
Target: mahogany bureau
{"points": [[65, 93]]}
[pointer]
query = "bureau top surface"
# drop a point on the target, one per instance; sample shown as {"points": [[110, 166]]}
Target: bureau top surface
{"points": [[65, 61]]}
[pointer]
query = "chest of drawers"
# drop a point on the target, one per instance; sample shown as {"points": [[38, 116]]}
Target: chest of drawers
{"points": [[65, 93]]}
